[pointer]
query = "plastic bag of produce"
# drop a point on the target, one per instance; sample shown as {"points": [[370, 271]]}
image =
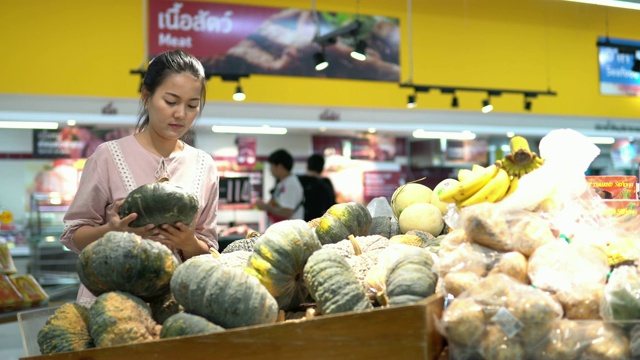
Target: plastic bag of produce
{"points": [[561, 266], [621, 299], [498, 318], [575, 340], [466, 257]]}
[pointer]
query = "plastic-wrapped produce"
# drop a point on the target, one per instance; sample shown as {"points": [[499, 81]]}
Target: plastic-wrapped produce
{"points": [[485, 225], [622, 295], [499, 312], [580, 340], [466, 257], [496, 345], [605, 341], [513, 264], [559, 266]]}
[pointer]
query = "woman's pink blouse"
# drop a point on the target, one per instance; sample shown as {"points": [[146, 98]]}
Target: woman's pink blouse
{"points": [[118, 167]]}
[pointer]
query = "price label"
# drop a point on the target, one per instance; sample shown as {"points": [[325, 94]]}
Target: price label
{"points": [[236, 190]]}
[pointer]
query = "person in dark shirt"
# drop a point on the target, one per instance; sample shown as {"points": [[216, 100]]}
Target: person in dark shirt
{"points": [[319, 192]]}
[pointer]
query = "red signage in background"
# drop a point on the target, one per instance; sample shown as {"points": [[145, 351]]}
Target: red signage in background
{"points": [[380, 183], [201, 28], [374, 147], [241, 39], [467, 152], [72, 142], [246, 150]]}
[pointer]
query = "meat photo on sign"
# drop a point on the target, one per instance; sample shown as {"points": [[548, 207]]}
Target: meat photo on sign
{"points": [[283, 45]]}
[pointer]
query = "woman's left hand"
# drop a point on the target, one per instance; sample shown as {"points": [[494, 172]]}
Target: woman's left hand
{"points": [[178, 236]]}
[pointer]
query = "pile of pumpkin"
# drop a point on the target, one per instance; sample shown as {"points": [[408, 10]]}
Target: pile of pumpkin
{"points": [[347, 260]]}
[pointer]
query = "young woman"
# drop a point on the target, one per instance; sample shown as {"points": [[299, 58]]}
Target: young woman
{"points": [[173, 95]]}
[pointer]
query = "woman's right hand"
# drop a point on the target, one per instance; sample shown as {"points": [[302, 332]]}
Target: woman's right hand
{"points": [[122, 224]]}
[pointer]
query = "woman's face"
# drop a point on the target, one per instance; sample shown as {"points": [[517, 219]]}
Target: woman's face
{"points": [[174, 106]]}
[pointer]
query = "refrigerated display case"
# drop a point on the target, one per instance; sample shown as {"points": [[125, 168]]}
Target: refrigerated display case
{"points": [[51, 263]]}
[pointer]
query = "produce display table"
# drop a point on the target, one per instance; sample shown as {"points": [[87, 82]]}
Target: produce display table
{"points": [[403, 332]]}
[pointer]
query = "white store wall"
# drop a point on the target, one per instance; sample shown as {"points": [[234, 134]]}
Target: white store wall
{"points": [[17, 174]]}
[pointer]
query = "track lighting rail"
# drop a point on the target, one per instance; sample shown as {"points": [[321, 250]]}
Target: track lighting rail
{"points": [[486, 103], [490, 91]]}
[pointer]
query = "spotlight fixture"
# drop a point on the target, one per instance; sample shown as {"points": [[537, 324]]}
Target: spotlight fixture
{"points": [[486, 106], [527, 100], [411, 102], [239, 95], [351, 30], [454, 101], [320, 61], [359, 52]]}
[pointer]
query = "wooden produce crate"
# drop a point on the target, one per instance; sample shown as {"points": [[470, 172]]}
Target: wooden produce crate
{"points": [[402, 332]]}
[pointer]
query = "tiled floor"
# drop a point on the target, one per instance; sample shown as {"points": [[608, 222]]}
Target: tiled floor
{"points": [[10, 342]]}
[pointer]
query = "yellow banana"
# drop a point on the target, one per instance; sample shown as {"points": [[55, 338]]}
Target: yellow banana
{"points": [[464, 174], [493, 191], [477, 168], [513, 185], [465, 189]]}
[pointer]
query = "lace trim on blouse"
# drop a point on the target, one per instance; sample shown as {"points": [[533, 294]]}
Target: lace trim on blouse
{"points": [[199, 175], [123, 169]]}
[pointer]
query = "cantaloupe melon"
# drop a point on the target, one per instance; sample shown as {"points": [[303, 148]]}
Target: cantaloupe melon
{"points": [[408, 194], [421, 216], [435, 200]]}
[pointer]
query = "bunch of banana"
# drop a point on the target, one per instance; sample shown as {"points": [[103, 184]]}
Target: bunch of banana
{"points": [[478, 185], [495, 182], [521, 160]]}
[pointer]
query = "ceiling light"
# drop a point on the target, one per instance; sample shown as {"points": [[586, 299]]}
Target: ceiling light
{"points": [[454, 102], [28, 125], [320, 61], [603, 140], [452, 135], [611, 3], [411, 102], [268, 130], [371, 130], [510, 134], [636, 65], [486, 106], [239, 95], [359, 52], [71, 122]]}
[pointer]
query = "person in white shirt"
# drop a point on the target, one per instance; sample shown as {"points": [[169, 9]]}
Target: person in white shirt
{"points": [[287, 197]]}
